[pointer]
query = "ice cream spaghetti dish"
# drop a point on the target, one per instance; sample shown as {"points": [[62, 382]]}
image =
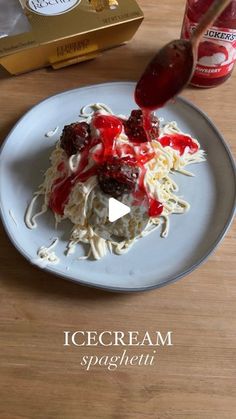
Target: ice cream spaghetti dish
{"points": [[107, 156]]}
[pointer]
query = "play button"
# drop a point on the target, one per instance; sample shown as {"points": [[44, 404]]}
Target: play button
{"points": [[115, 220], [117, 210]]}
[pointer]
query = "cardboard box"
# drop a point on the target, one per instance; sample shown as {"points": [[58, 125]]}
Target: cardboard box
{"points": [[58, 33]]}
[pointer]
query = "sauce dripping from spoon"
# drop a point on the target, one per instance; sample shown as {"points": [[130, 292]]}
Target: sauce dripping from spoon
{"points": [[172, 67]]}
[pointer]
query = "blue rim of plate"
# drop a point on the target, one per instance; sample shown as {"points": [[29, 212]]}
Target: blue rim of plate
{"points": [[120, 289]]}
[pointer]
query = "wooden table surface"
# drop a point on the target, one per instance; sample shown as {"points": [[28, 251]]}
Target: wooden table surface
{"points": [[194, 378]]}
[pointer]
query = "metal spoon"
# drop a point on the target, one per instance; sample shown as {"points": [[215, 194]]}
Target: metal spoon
{"points": [[173, 66]]}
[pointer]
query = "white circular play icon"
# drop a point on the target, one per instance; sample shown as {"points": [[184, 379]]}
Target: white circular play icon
{"points": [[117, 210]]}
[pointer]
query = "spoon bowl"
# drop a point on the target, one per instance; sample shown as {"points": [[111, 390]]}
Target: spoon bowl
{"points": [[166, 75]]}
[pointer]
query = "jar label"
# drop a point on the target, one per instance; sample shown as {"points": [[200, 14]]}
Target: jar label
{"points": [[217, 51]]}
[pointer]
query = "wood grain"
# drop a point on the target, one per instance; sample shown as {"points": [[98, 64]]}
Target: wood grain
{"points": [[194, 379]]}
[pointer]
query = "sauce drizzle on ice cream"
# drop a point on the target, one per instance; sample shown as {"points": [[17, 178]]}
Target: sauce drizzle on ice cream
{"points": [[120, 166]]}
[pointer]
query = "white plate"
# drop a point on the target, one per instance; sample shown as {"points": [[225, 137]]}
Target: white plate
{"points": [[153, 261]]}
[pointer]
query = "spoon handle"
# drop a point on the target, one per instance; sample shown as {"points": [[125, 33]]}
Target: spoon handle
{"points": [[210, 16]]}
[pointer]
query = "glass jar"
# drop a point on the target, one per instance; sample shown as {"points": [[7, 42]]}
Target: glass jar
{"points": [[217, 50]]}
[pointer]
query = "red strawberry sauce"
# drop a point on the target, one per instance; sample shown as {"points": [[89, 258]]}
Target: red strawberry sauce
{"points": [[133, 154], [179, 142]]}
